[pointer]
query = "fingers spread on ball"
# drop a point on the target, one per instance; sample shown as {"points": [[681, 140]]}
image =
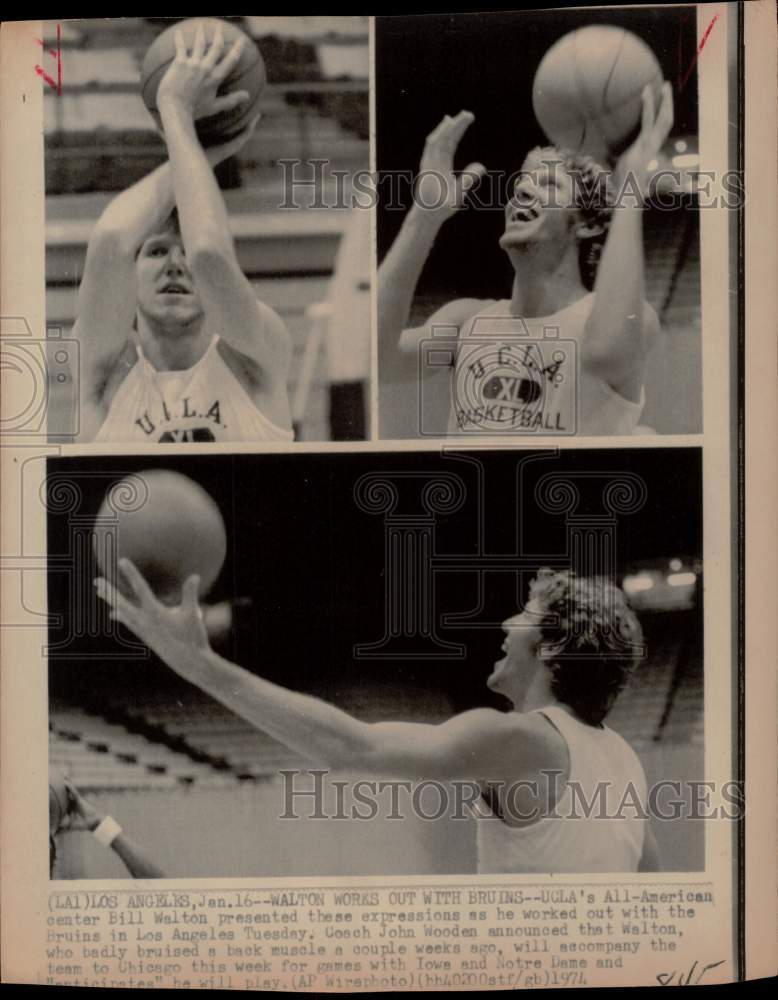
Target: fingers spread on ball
{"points": [[230, 61], [665, 116], [229, 101], [122, 610], [190, 592], [214, 50], [648, 111], [181, 49], [198, 49], [135, 579]]}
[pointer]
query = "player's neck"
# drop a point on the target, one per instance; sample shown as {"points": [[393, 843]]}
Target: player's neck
{"points": [[173, 348], [538, 694], [544, 281]]}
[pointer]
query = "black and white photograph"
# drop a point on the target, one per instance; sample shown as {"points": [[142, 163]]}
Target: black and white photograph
{"points": [[469, 663], [385, 565], [538, 224], [207, 279]]}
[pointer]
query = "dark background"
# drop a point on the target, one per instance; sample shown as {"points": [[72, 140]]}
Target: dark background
{"points": [[312, 561], [431, 65]]}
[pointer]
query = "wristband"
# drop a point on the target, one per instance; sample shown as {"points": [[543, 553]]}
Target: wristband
{"points": [[107, 831]]}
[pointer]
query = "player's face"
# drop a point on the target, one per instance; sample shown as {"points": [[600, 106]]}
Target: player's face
{"points": [[513, 673], [541, 206], [166, 290]]}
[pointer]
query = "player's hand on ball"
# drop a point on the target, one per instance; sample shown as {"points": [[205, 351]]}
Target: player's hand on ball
{"points": [[655, 125], [172, 633], [438, 189], [216, 154], [192, 79]]}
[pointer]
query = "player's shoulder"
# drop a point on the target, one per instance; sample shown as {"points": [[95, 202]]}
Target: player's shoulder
{"points": [[528, 728], [520, 740], [457, 312]]}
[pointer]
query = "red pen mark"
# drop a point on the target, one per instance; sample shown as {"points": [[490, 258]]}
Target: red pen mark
{"points": [[700, 47], [55, 54]]}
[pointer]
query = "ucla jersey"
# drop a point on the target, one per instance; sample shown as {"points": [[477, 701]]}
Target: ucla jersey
{"points": [[523, 376], [206, 402]]}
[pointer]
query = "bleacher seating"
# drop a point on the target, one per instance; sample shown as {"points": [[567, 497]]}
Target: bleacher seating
{"points": [[97, 754], [209, 732]]}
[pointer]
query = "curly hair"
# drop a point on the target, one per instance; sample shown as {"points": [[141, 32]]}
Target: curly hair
{"points": [[590, 638], [593, 197]]}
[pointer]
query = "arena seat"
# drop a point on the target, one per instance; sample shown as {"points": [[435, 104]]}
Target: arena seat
{"points": [[96, 753]]}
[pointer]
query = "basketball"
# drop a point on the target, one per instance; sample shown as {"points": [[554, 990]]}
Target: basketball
{"points": [[167, 525], [587, 93], [249, 75], [59, 799]]}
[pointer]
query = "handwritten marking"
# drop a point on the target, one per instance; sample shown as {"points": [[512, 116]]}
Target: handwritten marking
{"points": [[55, 54], [666, 978], [700, 47]]}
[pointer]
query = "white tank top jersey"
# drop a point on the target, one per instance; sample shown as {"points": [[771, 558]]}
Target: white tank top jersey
{"points": [[523, 376], [206, 402], [560, 842]]}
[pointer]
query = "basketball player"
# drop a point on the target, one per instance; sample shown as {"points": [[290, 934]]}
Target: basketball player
{"points": [[566, 658], [513, 367], [174, 345]]}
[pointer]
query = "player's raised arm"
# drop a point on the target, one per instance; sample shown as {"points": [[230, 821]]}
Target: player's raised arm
{"points": [[186, 92], [438, 195], [471, 745], [107, 296], [622, 326]]}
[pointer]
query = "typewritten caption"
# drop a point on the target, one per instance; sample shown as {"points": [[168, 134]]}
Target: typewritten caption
{"points": [[378, 938]]}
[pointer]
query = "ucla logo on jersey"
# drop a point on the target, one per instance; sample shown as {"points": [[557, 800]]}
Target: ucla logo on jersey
{"points": [[508, 381], [187, 434], [187, 423]]}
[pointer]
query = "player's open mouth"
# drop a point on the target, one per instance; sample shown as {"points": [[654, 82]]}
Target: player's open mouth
{"points": [[174, 289], [524, 212]]}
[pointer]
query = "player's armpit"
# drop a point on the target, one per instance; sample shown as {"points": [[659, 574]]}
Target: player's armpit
{"points": [[232, 310], [106, 305]]}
